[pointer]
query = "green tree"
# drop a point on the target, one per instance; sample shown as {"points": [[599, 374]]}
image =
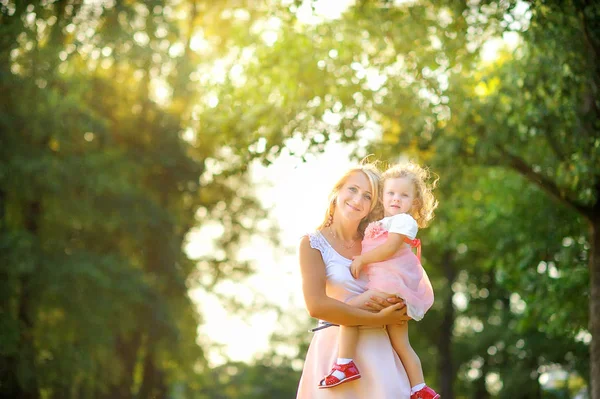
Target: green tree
{"points": [[125, 125], [101, 181], [416, 69]]}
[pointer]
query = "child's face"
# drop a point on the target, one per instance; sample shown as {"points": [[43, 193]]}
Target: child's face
{"points": [[398, 196]]}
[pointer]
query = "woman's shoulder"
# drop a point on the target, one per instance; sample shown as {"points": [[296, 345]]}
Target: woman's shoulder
{"points": [[314, 240]]}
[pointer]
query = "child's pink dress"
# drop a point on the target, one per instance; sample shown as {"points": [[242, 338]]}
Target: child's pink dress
{"points": [[402, 274]]}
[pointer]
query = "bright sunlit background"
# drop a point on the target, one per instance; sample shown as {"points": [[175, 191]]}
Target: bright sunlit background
{"points": [[296, 193], [134, 140]]}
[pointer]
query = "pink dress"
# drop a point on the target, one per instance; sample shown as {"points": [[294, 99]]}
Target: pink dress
{"points": [[402, 274], [383, 376]]}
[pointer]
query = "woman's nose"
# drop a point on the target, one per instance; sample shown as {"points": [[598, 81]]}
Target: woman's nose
{"points": [[357, 198]]}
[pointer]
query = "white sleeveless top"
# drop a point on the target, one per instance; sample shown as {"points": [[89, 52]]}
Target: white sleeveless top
{"points": [[340, 284]]}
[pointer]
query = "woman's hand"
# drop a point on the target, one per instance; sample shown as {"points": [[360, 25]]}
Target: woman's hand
{"points": [[374, 300], [395, 314]]}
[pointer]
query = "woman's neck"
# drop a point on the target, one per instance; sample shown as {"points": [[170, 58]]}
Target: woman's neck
{"points": [[344, 230]]}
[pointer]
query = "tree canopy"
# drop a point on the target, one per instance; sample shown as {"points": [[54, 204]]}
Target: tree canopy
{"points": [[125, 125]]}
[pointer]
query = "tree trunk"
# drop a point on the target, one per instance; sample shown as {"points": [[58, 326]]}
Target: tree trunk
{"points": [[446, 363], [2, 210], [126, 349], [26, 383], [594, 326], [150, 374]]}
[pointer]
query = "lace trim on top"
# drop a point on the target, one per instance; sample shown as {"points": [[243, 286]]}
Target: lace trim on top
{"points": [[317, 241]]}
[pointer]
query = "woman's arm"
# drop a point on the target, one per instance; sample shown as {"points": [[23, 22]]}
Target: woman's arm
{"points": [[373, 300], [378, 254], [320, 306]]}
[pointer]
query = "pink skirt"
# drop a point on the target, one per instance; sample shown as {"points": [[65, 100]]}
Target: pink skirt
{"points": [[382, 373], [402, 275]]}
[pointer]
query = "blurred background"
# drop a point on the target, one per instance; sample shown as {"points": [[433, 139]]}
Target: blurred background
{"points": [[160, 160]]}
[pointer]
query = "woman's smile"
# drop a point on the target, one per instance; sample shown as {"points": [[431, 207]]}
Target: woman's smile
{"points": [[353, 207]]}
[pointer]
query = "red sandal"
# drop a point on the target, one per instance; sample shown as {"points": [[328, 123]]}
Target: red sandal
{"points": [[350, 373], [425, 393]]}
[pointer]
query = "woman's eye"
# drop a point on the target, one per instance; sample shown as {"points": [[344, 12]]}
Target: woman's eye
{"points": [[353, 189], [368, 197]]}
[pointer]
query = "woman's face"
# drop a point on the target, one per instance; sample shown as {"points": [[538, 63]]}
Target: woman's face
{"points": [[354, 199]]}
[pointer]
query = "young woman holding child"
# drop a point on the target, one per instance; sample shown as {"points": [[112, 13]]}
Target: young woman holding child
{"points": [[332, 293]]}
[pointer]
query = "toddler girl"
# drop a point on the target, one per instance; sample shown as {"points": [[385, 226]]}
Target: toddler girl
{"points": [[392, 268]]}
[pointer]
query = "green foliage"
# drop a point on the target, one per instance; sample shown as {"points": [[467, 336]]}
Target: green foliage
{"points": [[98, 190], [123, 126], [240, 380], [515, 141]]}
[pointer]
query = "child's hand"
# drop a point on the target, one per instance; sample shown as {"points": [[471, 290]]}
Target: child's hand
{"points": [[356, 266]]}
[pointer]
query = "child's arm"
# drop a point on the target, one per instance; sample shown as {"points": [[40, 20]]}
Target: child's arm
{"points": [[378, 254]]}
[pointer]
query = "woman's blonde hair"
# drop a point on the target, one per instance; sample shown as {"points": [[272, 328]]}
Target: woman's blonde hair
{"points": [[372, 173], [424, 182]]}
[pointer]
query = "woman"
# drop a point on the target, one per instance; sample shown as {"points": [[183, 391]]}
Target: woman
{"points": [[332, 294]]}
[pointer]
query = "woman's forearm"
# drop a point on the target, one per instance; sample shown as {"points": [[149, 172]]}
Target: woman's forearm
{"points": [[373, 300], [337, 312]]}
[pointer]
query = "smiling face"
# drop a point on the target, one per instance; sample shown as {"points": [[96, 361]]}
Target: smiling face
{"points": [[354, 199], [398, 195]]}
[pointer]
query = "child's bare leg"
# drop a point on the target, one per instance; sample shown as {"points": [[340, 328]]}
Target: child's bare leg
{"points": [[344, 368], [348, 340], [412, 364]]}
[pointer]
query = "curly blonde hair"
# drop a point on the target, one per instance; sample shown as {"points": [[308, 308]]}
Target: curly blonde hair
{"points": [[372, 173], [424, 182]]}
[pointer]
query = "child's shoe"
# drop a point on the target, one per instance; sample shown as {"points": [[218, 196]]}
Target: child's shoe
{"points": [[349, 370], [425, 393]]}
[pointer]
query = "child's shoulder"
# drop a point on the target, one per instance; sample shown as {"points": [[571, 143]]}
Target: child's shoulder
{"points": [[403, 224], [401, 218]]}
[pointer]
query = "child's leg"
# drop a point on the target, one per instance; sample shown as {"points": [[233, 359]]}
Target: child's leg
{"points": [[348, 339], [344, 368], [412, 364]]}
